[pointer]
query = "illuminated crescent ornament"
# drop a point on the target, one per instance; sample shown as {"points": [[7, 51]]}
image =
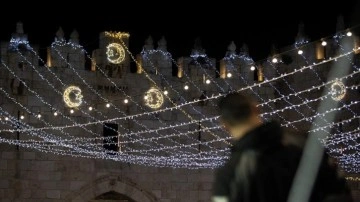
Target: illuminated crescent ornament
{"points": [[154, 98], [115, 53], [72, 96], [338, 90]]}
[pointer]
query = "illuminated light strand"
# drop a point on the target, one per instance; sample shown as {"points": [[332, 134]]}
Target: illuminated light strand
{"points": [[307, 101], [287, 101], [93, 90], [344, 137], [44, 136], [330, 90], [247, 83], [57, 91], [26, 109], [244, 80], [334, 124], [133, 102], [207, 75], [325, 61], [81, 110], [15, 42], [175, 105], [340, 138], [173, 89], [258, 85], [162, 158], [357, 179], [154, 138], [192, 102], [320, 114], [168, 55], [147, 53]]}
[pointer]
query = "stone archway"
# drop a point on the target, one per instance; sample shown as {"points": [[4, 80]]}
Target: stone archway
{"points": [[111, 184]]}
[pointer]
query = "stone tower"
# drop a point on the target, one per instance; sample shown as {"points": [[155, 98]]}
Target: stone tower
{"points": [[112, 55]]}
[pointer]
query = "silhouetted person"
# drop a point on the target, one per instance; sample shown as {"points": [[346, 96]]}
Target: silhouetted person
{"points": [[264, 160]]}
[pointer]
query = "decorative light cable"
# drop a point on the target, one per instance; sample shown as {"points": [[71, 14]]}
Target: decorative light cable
{"points": [[53, 46], [151, 80], [209, 98], [101, 96], [41, 76]]}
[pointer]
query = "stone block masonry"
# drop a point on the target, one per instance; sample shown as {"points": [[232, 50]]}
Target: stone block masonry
{"points": [[64, 179]]}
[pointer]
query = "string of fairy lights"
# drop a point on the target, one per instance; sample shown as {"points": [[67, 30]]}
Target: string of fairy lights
{"points": [[195, 140]]}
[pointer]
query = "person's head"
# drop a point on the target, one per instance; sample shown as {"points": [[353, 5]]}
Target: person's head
{"points": [[238, 114]]}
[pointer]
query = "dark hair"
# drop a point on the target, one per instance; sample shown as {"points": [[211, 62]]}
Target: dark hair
{"points": [[235, 108]]}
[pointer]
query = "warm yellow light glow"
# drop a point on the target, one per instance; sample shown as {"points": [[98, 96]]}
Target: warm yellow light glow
{"points": [[323, 43], [55, 113], [90, 108], [348, 33], [229, 75], [118, 35], [338, 90], [207, 81], [154, 98], [115, 53], [274, 60], [186, 87], [107, 105], [166, 92], [22, 117], [252, 68], [71, 111], [72, 96], [126, 101], [6, 118]]}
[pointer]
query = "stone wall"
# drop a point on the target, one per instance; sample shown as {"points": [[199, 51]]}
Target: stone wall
{"points": [[38, 177]]}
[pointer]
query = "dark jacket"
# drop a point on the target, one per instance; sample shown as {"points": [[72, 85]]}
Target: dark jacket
{"points": [[261, 168]]}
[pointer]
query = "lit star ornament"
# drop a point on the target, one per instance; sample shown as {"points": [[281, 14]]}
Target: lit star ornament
{"points": [[115, 53], [72, 96], [154, 98], [338, 90]]}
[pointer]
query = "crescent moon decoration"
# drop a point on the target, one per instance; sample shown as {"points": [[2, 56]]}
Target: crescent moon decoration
{"points": [[154, 98], [72, 96], [115, 53], [338, 90]]}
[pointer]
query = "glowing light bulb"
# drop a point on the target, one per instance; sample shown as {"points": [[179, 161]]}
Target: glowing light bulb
{"points": [[39, 115], [146, 97], [126, 101], [252, 68], [207, 81], [186, 87], [107, 105], [90, 108], [348, 33], [229, 75], [6, 118], [55, 113], [22, 117], [166, 92], [71, 111], [274, 60], [323, 43], [300, 52]]}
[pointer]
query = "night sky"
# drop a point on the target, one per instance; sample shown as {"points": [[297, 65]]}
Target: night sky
{"points": [[258, 24]]}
